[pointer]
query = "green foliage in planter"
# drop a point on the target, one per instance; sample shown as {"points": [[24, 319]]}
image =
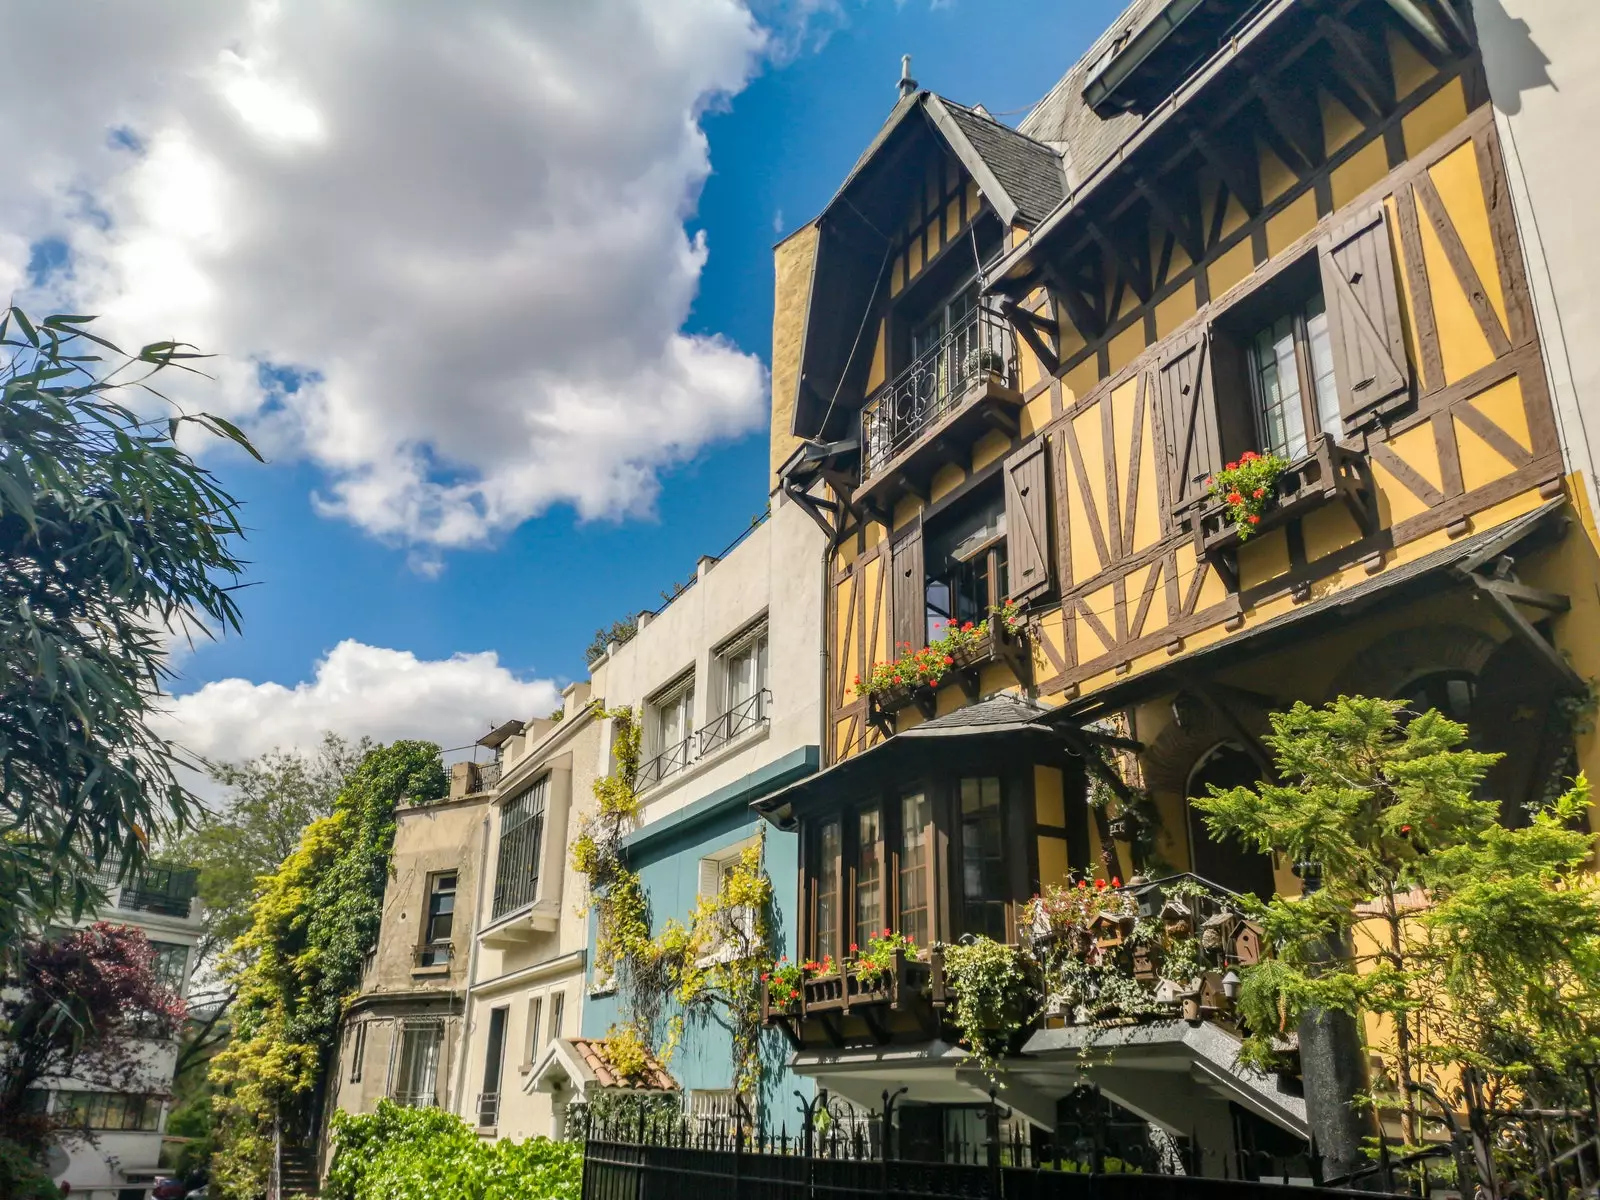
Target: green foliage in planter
{"points": [[426, 1154], [1247, 487], [876, 962], [993, 998], [927, 666]]}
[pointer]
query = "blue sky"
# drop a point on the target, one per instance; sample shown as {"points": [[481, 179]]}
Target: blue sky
{"points": [[778, 150]]}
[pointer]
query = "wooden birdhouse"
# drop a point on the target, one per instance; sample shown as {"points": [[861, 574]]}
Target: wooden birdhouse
{"points": [[1211, 994], [1107, 930], [1169, 993], [1146, 962], [1217, 933], [1247, 944], [1176, 919]]}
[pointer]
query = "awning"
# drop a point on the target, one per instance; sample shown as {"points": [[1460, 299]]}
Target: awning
{"points": [[580, 1063]]}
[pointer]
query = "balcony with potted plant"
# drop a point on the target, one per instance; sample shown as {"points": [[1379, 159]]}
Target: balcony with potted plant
{"points": [[955, 659]]}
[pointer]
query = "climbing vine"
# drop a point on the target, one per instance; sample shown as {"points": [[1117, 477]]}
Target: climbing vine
{"points": [[709, 968]]}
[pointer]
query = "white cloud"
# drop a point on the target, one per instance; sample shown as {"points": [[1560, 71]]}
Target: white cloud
{"points": [[357, 691], [453, 234]]}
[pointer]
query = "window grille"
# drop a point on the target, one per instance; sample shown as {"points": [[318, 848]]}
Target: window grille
{"points": [[516, 880]]}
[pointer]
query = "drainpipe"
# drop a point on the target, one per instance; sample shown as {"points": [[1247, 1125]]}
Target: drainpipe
{"points": [[472, 969]]}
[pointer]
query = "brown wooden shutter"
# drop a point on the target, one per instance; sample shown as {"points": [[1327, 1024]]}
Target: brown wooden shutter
{"points": [[1187, 406], [1364, 324], [909, 599], [1028, 520]]}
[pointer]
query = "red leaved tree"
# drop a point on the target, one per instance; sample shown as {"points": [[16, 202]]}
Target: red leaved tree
{"points": [[82, 1007]]}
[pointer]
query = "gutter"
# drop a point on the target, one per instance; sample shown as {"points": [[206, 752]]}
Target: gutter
{"points": [[1131, 57]]}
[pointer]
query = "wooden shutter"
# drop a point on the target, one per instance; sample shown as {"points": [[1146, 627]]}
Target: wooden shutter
{"points": [[908, 601], [710, 879], [1364, 325], [1028, 520], [1187, 406]]}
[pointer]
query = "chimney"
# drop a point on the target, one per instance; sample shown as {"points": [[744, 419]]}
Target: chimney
{"points": [[908, 85]]}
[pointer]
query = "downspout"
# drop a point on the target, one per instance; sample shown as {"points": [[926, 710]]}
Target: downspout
{"points": [[472, 969]]}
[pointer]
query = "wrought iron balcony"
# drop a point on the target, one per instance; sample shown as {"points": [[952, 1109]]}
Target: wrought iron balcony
{"points": [[169, 891], [435, 954], [668, 763], [742, 717], [977, 354], [415, 1099], [488, 1110]]}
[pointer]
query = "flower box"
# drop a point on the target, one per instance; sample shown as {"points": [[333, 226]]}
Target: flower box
{"points": [[1326, 474]]}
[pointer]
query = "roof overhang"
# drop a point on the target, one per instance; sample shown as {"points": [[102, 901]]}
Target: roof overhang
{"points": [[497, 736]]}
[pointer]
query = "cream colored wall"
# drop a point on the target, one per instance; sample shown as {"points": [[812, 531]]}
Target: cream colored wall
{"points": [[792, 260], [523, 1113], [776, 570]]}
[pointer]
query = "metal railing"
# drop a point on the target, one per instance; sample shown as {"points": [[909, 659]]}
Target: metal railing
{"points": [[435, 954], [416, 1099], [742, 717], [979, 348], [488, 1109], [668, 763], [169, 891]]}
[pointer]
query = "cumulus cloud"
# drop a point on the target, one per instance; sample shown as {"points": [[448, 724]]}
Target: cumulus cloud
{"points": [[357, 691], [440, 248]]}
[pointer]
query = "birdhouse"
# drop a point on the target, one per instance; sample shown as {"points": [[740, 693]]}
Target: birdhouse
{"points": [[1169, 993], [1107, 931], [1176, 919], [1247, 944], [1217, 931], [1189, 1008], [1212, 995], [1146, 962]]}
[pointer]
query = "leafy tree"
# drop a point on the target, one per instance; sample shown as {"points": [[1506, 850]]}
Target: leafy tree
{"points": [[621, 631], [75, 1009], [271, 799], [111, 536], [312, 923], [1478, 945]]}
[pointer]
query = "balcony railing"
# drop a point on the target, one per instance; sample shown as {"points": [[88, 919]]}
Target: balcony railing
{"points": [[488, 1110], [169, 891], [668, 763], [976, 351], [416, 1099], [436, 954], [742, 717]]}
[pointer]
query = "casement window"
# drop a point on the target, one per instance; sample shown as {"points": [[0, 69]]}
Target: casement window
{"points": [[171, 964], [516, 881], [358, 1050], [915, 892], [827, 888], [985, 890], [742, 697], [870, 884], [558, 1012], [110, 1111], [736, 937], [669, 732], [966, 561], [438, 920], [1317, 348], [531, 1043], [414, 1078], [493, 1063]]}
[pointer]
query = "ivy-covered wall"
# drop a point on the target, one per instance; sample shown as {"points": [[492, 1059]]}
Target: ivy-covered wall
{"points": [[667, 855]]}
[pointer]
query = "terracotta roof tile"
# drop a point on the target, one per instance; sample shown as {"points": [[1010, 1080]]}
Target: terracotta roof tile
{"points": [[591, 1052]]}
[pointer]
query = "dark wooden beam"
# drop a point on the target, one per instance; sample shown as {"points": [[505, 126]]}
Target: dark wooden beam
{"points": [[1030, 327], [1296, 120], [1184, 227], [1088, 321], [1129, 270], [1243, 180], [1362, 64]]}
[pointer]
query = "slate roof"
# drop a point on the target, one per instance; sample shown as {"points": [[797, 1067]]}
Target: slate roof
{"points": [[590, 1052], [1028, 170], [998, 711]]}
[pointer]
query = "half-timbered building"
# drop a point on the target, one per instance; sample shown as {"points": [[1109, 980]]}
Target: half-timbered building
{"points": [[1008, 361]]}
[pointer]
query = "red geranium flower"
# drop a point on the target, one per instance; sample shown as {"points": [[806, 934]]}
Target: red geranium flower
{"points": [[1115, 882], [1259, 492], [1099, 885], [948, 660], [1249, 456], [1254, 520], [1233, 466], [854, 948]]}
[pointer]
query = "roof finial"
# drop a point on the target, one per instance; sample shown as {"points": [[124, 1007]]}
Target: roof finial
{"points": [[907, 84]]}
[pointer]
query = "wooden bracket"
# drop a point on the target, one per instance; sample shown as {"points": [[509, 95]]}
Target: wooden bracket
{"points": [[1030, 327]]}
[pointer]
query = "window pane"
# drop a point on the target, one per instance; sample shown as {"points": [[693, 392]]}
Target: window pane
{"points": [[869, 876], [1277, 388], [558, 1011], [1327, 388], [521, 843], [915, 830], [828, 890], [983, 868]]}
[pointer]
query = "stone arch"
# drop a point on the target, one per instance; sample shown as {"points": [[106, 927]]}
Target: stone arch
{"points": [[1171, 758], [1400, 658]]}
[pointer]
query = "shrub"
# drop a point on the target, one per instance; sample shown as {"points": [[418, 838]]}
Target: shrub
{"points": [[21, 1178], [400, 1153]]}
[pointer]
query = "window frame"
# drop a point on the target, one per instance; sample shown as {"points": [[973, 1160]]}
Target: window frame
{"points": [[1307, 396], [735, 717], [512, 896], [558, 1013], [434, 951], [534, 1018], [660, 762]]}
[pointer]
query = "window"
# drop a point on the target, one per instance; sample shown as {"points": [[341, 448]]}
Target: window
{"points": [[1291, 380], [532, 1045], [493, 1061], [669, 733], [869, 875], [916, 874], [743, 667], [416, 1081], [828, 847], [984, 891], [516, 880], [1451, 692], [440, 919], [358, 1051], [110, 1110], [558, 1005], [171, 964], [966, 561], [739, 924]]}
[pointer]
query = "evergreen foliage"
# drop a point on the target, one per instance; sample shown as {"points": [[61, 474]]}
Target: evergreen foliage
{"points": [[300, 961], [425, 1154], [1477, 945]]}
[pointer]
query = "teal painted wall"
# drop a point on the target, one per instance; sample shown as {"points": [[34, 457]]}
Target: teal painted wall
{"points": [[667, 855]]}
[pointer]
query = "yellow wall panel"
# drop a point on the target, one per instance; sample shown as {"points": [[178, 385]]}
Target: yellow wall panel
{"points": [[1462, 345], [972, 198], [1135, 585], [995, 678], [1231, 268], [1069, 341], [1293, 223], [876, 532], [1276, 178], [914, 264], [1049, 801], [1147, 516], [1103, 603], [1327, 529], [1233, 217], [1122, 401], [1175, 310], [1053, 868], [1434, 117], [1480, 463], [1419, 450], [1036, 414], [845, 555], [1263, 557], [1081, 380], [875, 373], [792, 261], [897, 275], [1364, 168], [1408, 301], [876, 633], [952, 220], [1028, 372], [1411, 70], [1127, 345], [1091, 445], [906, 508], [992, 445], [1456, 177], [1339, 126], [945, 480], [1503, 405], [1396, 502], [1052, 633], [841, 740]]}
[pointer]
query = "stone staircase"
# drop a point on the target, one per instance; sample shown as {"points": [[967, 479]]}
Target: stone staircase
{"points": [[299, 1172]]}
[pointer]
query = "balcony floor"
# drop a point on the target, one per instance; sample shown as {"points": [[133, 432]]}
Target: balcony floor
{"points": [[988, 404]]}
